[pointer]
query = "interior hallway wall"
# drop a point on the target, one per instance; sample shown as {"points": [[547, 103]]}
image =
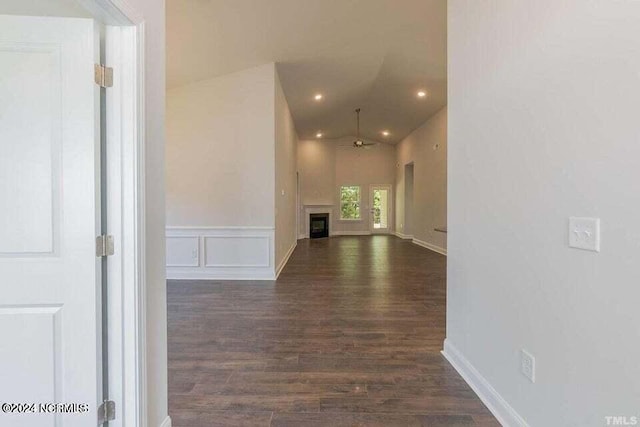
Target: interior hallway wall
{"points": [[426, 149], [286, 148], [544, 100]]}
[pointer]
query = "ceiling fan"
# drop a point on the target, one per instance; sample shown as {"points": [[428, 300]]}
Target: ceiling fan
{"points": [[359, 143]]}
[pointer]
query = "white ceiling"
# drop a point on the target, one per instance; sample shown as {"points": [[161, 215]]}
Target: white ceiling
{"points": [[372, 54]]}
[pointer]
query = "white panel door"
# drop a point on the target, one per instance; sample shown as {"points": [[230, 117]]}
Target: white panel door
{"points": [[49, 205]]}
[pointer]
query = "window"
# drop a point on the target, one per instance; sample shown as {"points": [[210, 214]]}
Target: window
{"points": [[350, 202]]}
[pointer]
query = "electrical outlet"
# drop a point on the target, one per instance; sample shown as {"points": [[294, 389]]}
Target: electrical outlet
{"points": [[528, 365]]}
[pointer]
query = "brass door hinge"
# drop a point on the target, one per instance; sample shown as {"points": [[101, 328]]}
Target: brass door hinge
{"points": [[103, 75], [104, 245], [106, 411]]}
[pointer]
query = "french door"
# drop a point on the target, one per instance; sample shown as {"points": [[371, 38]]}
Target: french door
{"points": [[380, 203]]}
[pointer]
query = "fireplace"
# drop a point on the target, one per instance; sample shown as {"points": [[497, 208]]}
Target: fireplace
{"points": [[318, 225]]}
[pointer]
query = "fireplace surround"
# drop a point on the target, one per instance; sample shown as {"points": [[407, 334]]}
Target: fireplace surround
{"points": [[318, 225], [309, 209]]}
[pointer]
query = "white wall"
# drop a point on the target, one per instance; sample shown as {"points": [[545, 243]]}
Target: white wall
{"points": [[544, 102], [286, 141], [317, 169], [220, 151], [221, 177], [426, 148], [325, 165], [231, 154], [316, 165]]}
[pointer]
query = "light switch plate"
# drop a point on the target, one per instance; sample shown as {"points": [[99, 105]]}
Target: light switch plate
{"points": [[584, 233]]}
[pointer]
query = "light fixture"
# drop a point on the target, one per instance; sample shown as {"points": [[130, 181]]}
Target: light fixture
{"points": [[318, 97], [422, 94], [385, 133], [319, 135]]}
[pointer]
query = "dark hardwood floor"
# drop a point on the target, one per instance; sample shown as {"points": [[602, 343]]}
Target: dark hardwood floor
{"points": [[349, 335]]}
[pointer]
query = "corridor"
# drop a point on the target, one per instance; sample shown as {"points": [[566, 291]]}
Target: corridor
{"points": [[349, 335]]}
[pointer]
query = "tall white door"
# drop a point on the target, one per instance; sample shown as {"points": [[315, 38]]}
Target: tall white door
{"points": [[380, 208], [49, 219]]}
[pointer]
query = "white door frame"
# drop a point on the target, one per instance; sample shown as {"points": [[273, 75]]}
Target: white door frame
{"points": [[125, 46], [389, 188]]}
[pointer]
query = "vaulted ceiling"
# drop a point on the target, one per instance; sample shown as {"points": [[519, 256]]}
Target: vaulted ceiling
{"points": [[372, 54]]}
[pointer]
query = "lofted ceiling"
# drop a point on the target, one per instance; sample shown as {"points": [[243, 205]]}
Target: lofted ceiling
{"points": [[372, 54]]}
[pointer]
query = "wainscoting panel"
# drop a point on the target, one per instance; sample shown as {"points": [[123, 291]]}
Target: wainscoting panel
{"points": [[183, 251], [237, 251], [210, 253]]}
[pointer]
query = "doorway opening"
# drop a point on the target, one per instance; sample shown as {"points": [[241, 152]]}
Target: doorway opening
{"points": [[408, 200]]}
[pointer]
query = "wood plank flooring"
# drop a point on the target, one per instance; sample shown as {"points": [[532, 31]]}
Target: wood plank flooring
{"points": [[349, 335]]}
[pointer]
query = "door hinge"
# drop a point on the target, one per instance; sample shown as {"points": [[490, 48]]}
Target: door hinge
{"points": [[106, 411], [104, 245], [103, 75]]}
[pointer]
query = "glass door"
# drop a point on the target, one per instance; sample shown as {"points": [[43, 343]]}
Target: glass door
{"points": [[380, 208]]}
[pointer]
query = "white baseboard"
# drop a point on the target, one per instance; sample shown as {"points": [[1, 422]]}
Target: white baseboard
{"points": [[166, 422], [430, 246], [403, 236], [286, 259], [226, 274], [301, 236], [504, 413], [351, 233], [220, 253]]}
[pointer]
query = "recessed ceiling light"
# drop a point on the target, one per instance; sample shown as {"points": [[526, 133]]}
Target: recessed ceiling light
{"points": [[385, 132], [318, 96], [422, 94], [319, 135]]}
